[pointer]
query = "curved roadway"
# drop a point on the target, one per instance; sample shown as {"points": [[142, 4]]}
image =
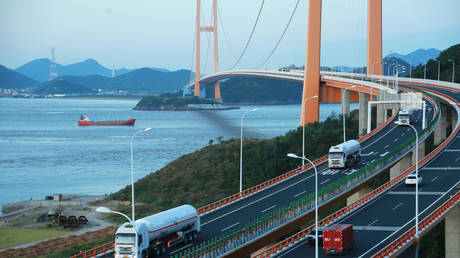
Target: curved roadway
{"points": [[381, 221]]}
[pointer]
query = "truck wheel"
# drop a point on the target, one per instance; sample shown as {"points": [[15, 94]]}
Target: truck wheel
{"points": [[163, 249], [157, 251], [194, 235], [186, 238]]}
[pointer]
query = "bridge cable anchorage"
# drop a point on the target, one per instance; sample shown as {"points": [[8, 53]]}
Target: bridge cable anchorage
{"points": [[250, 36], [225, 35], [281, 38]]}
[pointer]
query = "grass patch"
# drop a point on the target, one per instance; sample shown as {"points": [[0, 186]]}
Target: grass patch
{"points": [[75, 249], [14, 237]]}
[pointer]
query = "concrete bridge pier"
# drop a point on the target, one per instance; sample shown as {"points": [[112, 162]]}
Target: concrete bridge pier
{"points": [[381, 111], [398, 168], [357, 195], [363, 109], [421, 153], [452, 233], [440, 130], [345, 102]]}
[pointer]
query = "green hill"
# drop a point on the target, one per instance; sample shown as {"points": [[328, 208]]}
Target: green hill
{"points": [[452, 53], [258, 91], [60, 86], [212, 173], [10, 79]]}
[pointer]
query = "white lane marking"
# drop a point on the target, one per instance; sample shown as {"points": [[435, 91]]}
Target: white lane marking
{"points": [[373, 222], [367, 154], [299, 194], [269, 208], [397, 206], [381, 155], [375, 228], [388, 145], [410, 221], [442, 168], [452, 150], [258, 200], [351, 172], [396, 139], [432, 180], [379, 138], [420, 193], [403, 134], [457, 159], [229, 227], [181, 248], [327, 180]]}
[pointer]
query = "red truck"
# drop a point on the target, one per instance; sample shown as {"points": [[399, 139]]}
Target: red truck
{"points": [[338, 238]]}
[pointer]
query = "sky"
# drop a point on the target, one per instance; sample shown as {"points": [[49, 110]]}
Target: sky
{"points": [[154, 33]]}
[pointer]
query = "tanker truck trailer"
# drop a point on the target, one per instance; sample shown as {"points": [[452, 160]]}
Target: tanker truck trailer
{"points": [[157, 232]]}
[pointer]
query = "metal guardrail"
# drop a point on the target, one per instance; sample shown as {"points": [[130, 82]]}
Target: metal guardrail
{"points": [[95, 251]]}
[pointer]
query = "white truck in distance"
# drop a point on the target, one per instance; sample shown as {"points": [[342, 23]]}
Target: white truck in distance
{"points": [[342, 155], [157, 232], [405, 117]]}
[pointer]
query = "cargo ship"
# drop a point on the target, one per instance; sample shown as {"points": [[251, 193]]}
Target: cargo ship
{"points": [[84, 121]]}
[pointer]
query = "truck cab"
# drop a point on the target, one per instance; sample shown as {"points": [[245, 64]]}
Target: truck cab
{"points": [[405, 117], [342, 155]]}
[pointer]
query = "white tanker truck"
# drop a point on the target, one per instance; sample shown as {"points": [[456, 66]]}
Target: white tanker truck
{"points": [[342, 155], [158, 232]]}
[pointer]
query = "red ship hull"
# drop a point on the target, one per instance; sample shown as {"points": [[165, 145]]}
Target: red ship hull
{"points": [[88, 123]]}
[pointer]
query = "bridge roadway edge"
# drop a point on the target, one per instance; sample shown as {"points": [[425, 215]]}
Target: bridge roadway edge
{"points": [[288, 228]]}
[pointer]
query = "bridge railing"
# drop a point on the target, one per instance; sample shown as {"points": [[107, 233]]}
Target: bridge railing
{"points": [[243, 235], [103, 249]]}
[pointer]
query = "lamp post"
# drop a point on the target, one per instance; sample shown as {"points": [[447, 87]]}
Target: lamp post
{"points": [[132, 168], [107, 210], [439, 68], [453, 69], [416, 180], [388, 73], [343, 113], [292, 155], [303, 126], [241, 148]]}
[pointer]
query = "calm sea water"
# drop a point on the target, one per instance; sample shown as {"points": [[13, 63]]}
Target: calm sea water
{"points": [[43, 151]]}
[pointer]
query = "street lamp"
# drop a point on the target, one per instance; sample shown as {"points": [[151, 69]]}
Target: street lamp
{"points": [[439, 68], [303, 126], [453, 69], [241, 148], [107, 210], [388, 73], [416, 180], [292, 155], [343, 112], [132, 166]]}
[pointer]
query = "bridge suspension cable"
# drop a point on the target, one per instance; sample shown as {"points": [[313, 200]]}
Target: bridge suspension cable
{"points": [[227, 42], [250, 36], [281, 38]]}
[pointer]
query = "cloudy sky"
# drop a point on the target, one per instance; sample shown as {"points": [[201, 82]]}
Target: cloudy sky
{"points": [[154, 33]]}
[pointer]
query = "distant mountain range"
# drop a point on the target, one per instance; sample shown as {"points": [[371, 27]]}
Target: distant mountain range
{"points": [[419, 56], [90, 76], [39, 69]]}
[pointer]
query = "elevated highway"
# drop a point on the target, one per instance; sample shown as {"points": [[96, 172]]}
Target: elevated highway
{"points": [[384, 221]]}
